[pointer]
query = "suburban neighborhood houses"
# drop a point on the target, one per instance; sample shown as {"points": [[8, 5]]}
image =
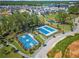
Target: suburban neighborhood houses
{"points": [[39, 29], [37, 9]]}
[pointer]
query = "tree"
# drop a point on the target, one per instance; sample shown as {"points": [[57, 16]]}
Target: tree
{"points": [[73, 9], [19, 22], [61, 17]]}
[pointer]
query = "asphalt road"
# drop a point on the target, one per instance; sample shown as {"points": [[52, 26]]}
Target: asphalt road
{"points": [[42, 53]]}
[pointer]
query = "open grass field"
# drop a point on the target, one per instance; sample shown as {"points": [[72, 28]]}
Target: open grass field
{"points": [[62, 45], [66, 28], [51, 16]]}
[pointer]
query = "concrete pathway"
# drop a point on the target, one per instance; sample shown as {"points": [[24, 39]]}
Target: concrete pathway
{"points": [[19, 52]]}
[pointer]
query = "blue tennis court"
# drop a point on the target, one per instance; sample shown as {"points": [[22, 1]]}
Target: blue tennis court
{"points": [[28, 41], [47, 30]]}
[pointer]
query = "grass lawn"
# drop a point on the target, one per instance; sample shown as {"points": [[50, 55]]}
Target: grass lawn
{"points": [[40, 38], [51, 16], [63, 44], [11, 54], [14, 55], [66, 28]]}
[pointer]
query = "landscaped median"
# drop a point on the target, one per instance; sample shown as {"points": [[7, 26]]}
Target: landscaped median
{"points": [[61, 48]]}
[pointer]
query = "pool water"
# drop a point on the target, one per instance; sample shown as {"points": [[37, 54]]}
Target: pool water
{"points": [[48, 28], [27, 41], [43, 31]]}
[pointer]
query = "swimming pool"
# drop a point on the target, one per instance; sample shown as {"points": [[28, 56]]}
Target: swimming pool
{"points": [[43, 30], [27, 41], [47, 30]]}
